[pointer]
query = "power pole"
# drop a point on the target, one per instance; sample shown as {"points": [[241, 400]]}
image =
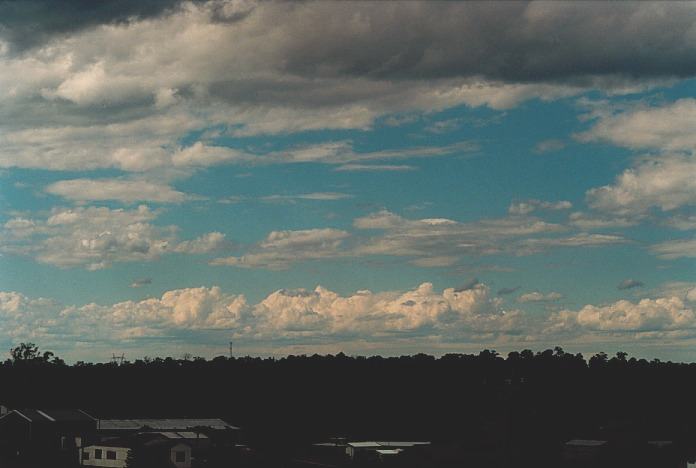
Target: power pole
{"points": [[231, 355]]}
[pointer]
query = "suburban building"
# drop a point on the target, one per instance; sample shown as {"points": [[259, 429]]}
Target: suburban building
{"points": [[359, 449], [53, 433], [106, 453], [160, 451], [585, 453]]}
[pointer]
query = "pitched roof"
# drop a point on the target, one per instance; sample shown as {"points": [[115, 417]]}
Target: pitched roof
{"points": [[173, 425], [54, 415]]}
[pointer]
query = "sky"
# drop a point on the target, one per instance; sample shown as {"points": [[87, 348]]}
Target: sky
{"points": [[316, 177]]}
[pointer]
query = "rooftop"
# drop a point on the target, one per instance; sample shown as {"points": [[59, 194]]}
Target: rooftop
{"points": [[54, 415], [166, 425], [586, 443]]}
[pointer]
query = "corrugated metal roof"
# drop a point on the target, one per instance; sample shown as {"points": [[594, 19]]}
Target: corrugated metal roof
{"points": [[381, 443], [181, 435], [586, 443], [55, 415], [172, 425], [389, 451]]}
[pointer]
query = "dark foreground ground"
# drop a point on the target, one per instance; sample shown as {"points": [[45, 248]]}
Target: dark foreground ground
{"points": [[476, 410]]}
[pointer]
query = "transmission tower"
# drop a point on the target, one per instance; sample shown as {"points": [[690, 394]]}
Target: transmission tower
{"points": [[118, 359]]}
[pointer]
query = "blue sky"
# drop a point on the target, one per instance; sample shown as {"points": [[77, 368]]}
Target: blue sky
{"points": [[413, 178]]}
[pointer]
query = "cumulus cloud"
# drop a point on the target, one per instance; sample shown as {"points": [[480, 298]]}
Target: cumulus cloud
{"points": [[298, 315], [179, 310], [682, 289], [422, 310], [324, 317], [670, 127], [95, 237], [210, 242], [665, 183], [648, 315]]}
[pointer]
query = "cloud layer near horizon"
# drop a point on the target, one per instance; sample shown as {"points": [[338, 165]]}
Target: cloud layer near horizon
{"points": [[310, 317]]}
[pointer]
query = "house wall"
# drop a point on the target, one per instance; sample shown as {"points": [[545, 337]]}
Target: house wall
{"points": [[119, 462], [181, 448]]}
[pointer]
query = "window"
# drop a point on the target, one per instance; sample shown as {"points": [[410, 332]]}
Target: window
{"points": [[180, 457], [97, 454], [110, 455], [85, 455]]}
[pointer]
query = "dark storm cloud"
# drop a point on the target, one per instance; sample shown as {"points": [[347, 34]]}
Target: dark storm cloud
{"points": [[471, 284], [504, 291], [27, 23], [508, 41], [630, 284]]}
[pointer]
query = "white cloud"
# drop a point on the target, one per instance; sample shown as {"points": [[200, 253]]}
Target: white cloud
{"points": [[280, 249], [374, 168], [321, 317], [647, 315], [534, 245], [50, 323], [430, 242], [122, 190], [685, 290], [96, 237], [439, 238], [123, 94], [537, 296], [673, 249], [671, 127], [548, 146], [591, 221], [367, 314], [283, 315], [528, 206], [320, 196], [664, 182], [210, 242]]}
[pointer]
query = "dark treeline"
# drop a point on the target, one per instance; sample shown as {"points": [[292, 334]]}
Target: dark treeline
{"points": [[525, 399]]}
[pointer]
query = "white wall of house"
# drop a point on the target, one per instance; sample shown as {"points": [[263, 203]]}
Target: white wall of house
{"points": [[180, 455], [112, 457]]}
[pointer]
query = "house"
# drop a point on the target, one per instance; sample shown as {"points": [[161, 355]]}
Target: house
{"points": [[585, 453], [357, 450], [156, 451], [41, 433], [106, 453]]}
